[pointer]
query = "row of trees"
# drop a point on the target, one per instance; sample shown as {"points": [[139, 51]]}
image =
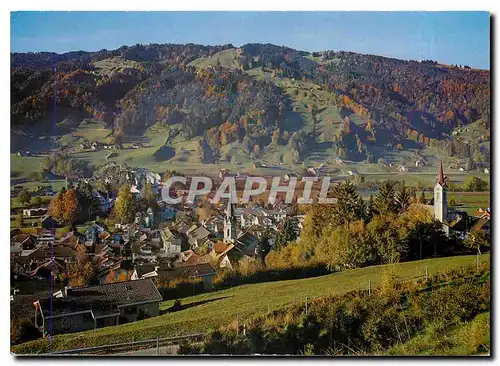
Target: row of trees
{"points": [[351, 233]]}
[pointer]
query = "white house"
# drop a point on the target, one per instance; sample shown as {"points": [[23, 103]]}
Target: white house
{"points": [[171, 242]]}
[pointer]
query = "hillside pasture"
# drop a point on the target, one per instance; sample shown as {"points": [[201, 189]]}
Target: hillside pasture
{"points": [[207, 311]]}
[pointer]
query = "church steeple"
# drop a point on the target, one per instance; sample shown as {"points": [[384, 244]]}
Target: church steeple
{"points": [[441, 177], [229, 224], [229, 209], [441, 199]]}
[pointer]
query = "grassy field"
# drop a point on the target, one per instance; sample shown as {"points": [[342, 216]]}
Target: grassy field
{"points": [[211, 310], [114, 65], [226, 58], [470, 201], [92, 131], [22, 167]]}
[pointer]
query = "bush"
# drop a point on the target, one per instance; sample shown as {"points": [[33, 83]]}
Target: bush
{"points": [[475, 184], [229, 278], [142, 315], [452, 304], [177, 305], [354, 323], [181, 288], [23, 330]]}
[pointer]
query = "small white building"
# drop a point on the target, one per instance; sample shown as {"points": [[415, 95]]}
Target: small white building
{"points": [[419, 164]]}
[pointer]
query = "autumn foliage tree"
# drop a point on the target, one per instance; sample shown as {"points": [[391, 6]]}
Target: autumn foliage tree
{"points": [[113, 277], [125, 205], [80, 270], [65, 206]]}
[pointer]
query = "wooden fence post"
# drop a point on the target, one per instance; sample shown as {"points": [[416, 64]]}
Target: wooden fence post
{"points": [[426, 274], [237, 324], [369, 288], [306, 306]]}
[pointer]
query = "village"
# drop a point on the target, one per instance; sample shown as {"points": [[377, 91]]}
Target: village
{"points": [[162, 244], [106, 272]]}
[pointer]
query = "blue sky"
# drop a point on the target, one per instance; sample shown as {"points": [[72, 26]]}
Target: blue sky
{"points": [[447, 37]]}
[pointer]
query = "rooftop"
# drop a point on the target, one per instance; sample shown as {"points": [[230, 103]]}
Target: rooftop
{"points": [[102, 298]]}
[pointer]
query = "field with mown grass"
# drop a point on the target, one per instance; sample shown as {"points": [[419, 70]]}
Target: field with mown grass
{"points": [[470, 201], [207, 311]]}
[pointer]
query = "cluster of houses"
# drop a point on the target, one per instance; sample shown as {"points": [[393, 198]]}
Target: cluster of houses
{"points": [[96, 146], [24, 153], [160, 245]]}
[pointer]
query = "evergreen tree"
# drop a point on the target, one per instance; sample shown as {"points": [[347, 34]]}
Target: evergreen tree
{"points": [[402, 198], [413, 195], [148, 195], [349, 206], [263, 247], [384, 199], [86, 199], [370, 208], [422, 199], [287, 235], [24, 197]]}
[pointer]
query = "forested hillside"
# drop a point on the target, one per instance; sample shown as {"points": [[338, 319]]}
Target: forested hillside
{"points": [[343, 104]]}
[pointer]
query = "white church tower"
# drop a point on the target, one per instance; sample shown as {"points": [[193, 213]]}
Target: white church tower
{"points": [[441, 198], [229, 224]]}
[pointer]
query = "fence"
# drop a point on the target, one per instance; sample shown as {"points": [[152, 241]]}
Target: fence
{"points": [[306, 302], [156, 342]]}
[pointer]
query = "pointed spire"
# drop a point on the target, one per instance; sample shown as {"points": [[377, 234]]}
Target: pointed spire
{"points": [[229, 209], [441, 176]]}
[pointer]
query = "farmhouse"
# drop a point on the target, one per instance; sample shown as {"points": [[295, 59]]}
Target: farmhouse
{"points": [[90, 307], [33, 212], [352, 172]]}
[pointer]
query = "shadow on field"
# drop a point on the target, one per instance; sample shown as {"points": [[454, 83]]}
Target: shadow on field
{"points": [[179, 307]]}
